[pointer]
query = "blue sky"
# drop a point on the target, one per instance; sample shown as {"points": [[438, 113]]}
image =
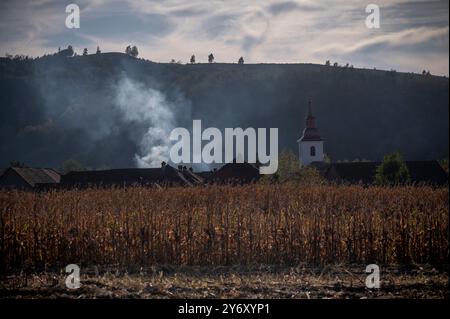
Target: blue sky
{"points": [[414, 35]]}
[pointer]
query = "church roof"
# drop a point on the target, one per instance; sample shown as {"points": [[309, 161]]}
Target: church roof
{"points": [[311, 134]]}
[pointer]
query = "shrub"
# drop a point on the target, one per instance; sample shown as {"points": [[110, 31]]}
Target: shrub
{"points": [[393, 171]]}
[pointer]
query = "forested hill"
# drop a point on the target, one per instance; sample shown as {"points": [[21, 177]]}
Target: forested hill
{"points": [[97, 109]]}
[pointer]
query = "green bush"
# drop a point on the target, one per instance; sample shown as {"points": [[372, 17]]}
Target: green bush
{"points": [[289, 171], [393, 171]]}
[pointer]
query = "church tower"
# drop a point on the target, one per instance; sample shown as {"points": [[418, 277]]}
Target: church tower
{"points": [[310, 144]]}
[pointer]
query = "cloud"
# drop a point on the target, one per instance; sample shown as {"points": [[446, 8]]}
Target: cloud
{"points": [[403, 39], [190, 11], [289, 6], [269, 31], [220, 25]]}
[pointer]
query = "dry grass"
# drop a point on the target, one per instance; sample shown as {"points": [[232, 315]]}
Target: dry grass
{"points": [[223, 225], [302, 282]]}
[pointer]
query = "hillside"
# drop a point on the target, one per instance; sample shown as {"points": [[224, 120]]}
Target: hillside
{"points": [[97, 109]]}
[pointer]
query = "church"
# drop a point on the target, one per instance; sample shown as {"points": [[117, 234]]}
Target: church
{"points": [[311, 153], [311, 143]]}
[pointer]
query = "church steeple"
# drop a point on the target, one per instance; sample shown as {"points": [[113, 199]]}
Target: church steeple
{"points": [[311, 143], [310, 119], [310, 133]]}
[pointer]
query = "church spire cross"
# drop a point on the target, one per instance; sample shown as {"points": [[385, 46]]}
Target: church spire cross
{"points": [[310, 120], [309, 108]]}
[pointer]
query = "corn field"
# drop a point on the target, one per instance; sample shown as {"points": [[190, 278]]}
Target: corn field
{"points": [[223, 225]]}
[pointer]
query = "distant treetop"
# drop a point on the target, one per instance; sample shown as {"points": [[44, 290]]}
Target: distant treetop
{"points": [[66, 52], [132, 51]]}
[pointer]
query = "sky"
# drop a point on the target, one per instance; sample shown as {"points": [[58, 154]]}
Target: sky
{"points": [[413, 35]]}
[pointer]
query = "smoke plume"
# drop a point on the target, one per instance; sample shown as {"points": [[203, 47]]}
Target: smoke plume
{"points": [[145, 105]]}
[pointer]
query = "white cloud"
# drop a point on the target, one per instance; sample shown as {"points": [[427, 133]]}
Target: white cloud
{"points": [[262, 31]]}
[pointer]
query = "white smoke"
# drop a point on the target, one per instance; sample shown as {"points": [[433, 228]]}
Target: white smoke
{"points": [[148, 106]]}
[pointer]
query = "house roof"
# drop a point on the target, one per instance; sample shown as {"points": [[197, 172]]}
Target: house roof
{"points": [[428, 172], [311, 134], [240, 172], [33, 176], [193, 178], [354, 172], [205, 175], [129, 176]]}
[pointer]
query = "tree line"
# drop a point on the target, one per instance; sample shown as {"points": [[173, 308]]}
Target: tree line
{"points": [[134, 52], [211, 59]]}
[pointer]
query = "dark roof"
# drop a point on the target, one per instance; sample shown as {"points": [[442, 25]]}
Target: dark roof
{"points": [[205, 175], [166, 175], [236, 172], [354, 172], [430, 172], [421, 172], [192, 177], [33, 176], [311, 134]]}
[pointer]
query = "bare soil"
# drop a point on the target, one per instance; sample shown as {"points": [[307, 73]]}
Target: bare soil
{"points": [[337, 281]]}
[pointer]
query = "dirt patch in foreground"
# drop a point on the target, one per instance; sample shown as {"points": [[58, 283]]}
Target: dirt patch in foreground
{"points": [[234, 282]]}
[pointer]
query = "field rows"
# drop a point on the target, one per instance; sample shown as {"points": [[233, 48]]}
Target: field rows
{"points": [[254, 224]]}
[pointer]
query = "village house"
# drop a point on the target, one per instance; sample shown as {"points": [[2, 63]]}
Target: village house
{"points": [[235, 173], [421, 172], [28, 178], [311, 153], [163, 176]]}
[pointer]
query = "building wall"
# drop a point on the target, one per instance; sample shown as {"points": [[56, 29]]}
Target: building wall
{"points": [[304, 152]]}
